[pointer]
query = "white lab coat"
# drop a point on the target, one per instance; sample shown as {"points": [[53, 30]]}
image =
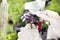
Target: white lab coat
{"points": [[29, 34], [35, 5]]}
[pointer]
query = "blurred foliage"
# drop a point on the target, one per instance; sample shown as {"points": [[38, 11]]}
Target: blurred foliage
{"points": [[9, 28], [0, 1], [8, 33], [12, 36], [16, 8], [54, 6], [11, 33]]}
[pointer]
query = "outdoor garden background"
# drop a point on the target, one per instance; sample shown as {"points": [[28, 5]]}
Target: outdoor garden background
{"points": [[15, 11]]}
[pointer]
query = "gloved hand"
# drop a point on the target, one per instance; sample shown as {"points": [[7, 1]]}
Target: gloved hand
{"points": [[25, 15]]}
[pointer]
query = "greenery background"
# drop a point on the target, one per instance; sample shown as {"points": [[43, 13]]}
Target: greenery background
{"points": [[16, 9]]}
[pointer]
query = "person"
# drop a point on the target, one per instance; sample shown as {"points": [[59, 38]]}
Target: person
{"points": [[39, 10], [27, 33]]}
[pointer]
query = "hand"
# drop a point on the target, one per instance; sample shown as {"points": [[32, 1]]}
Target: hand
{"points": [[25, 16]]}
